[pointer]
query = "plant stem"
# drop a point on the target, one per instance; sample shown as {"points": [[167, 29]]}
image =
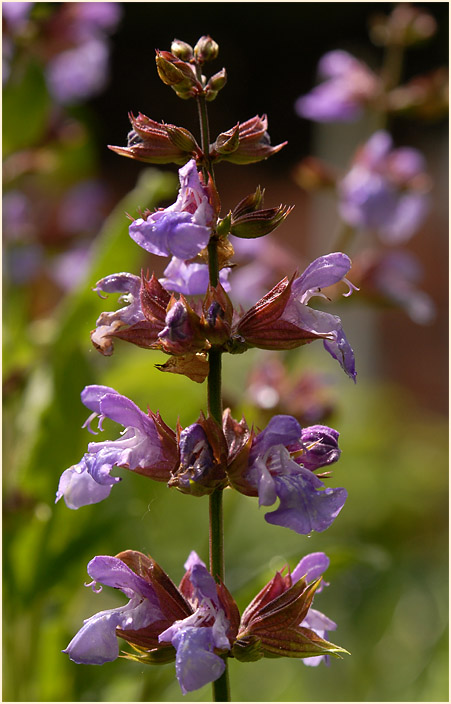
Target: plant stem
{"points": [[221, 689]]}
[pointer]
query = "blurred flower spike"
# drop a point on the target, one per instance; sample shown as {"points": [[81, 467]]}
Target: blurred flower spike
{"points": [[198, 624], [405, 26], [386, 190], [349, 86]]}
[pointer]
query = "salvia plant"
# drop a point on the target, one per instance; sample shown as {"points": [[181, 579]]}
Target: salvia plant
{"points": [[188, 315]]}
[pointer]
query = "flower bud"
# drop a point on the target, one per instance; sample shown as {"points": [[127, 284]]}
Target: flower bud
{"points": [[182, 332], [249, 204], [203, 454], [228, 142], [215, 84], [157, 143], [178, 74], [182, 138], [320, 447], [405, 26], [182, 50], [206, 49], [248, 649], [217, 315], [168, 72], [259, 222], [424, 97], [223, 226], [312, 174], [253, 143]]}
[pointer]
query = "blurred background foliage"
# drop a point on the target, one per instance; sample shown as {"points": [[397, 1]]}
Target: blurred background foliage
{"points": [[388, 549]]}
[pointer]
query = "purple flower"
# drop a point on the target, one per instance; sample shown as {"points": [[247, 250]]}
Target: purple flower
{"points": [[196, 455], [16, 14], [22, 264], [391, 278], [305, 503], [183, 229], [69, 268], [191, 279], [107, 323], [141, 448], [283, 320], [311, 567], [350, 85], [279, 621], [83, 207], [320, 447], [385, 190], [194, 624], [324, 271], [196, 637], [94, 18], [96, 642], [17, 216], [79, 73]]}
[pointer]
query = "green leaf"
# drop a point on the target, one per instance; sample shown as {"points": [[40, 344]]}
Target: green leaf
{"points": [[26, 105]]}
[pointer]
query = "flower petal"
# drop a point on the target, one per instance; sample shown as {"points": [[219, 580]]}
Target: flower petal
{"points": [[281, 430], [303, 507], [80, 489], [196, 664], [311, 567], [322, 272], [91, 396]]}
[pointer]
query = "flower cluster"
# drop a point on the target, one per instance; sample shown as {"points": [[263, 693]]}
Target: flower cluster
{"points": [[280, 462], [385, 191], [198, 624], [190, 315]]}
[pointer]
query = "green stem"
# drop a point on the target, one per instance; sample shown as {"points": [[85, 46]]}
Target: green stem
{"points": [[221, 688]]}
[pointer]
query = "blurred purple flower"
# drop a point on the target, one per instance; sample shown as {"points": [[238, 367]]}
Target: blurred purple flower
{"points": [[21, 264], [17, 213], [350, 85], [69, 268], [79, 73], [83, 207], [184, 228], [385, 190], [391, 278], [16, 14], [306, 396], [191, 279], [305, 503], [95, 18], [262, 261]]}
